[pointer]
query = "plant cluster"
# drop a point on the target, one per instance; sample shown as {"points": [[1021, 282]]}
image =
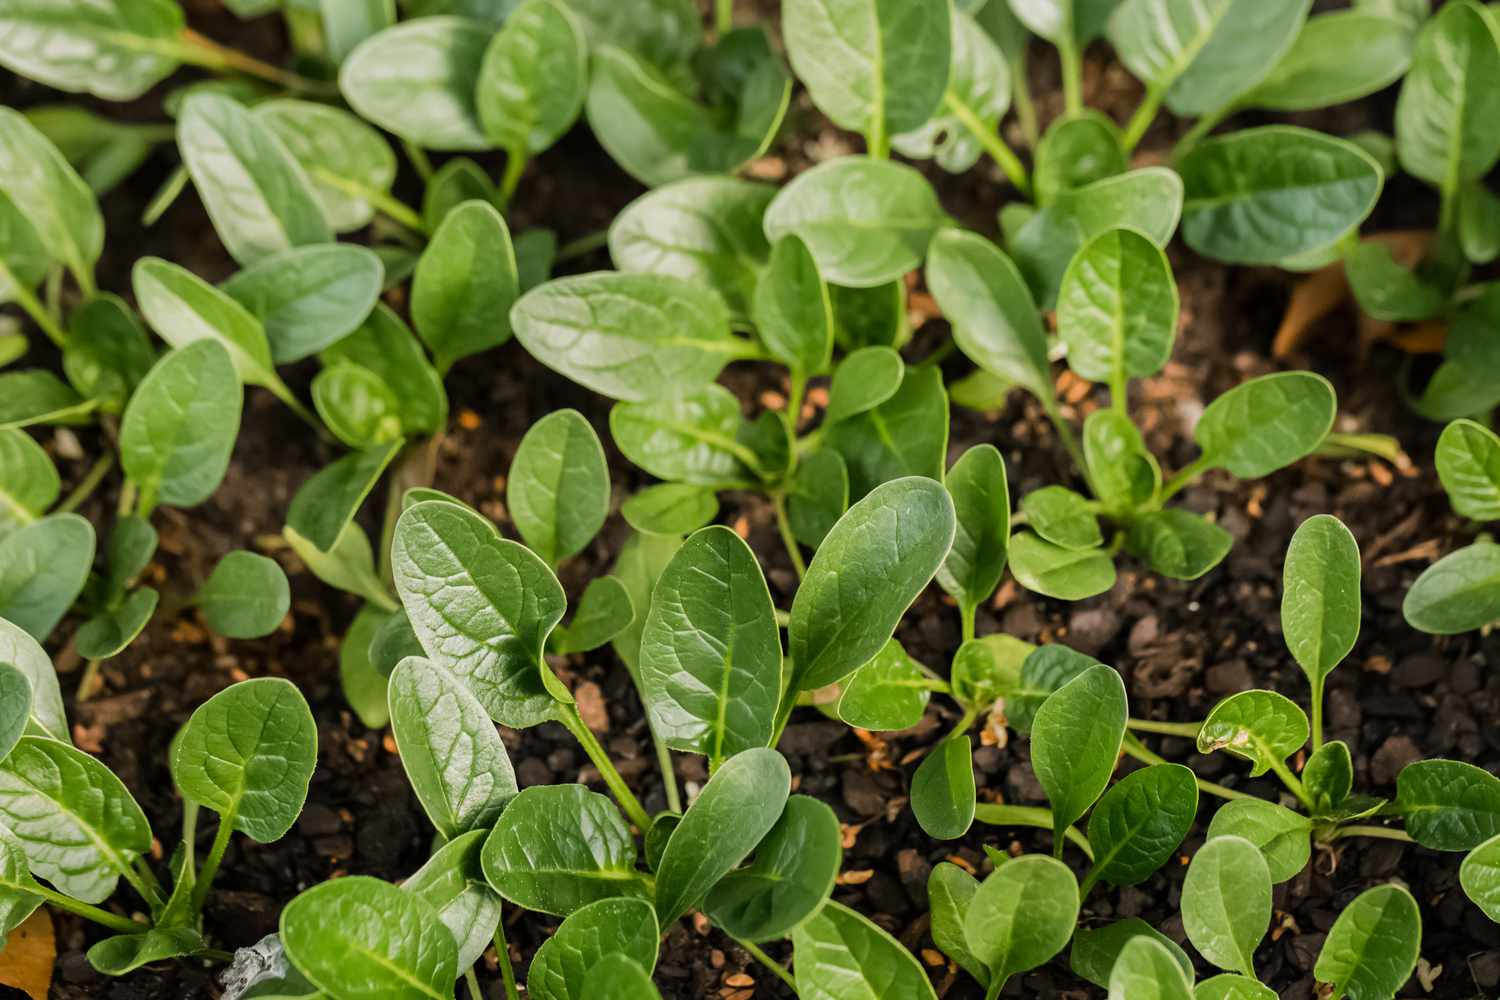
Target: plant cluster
{"points": [[811, 280]]}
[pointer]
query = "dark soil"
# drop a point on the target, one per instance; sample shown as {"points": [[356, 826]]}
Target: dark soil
{"points": [[1181, 646]]}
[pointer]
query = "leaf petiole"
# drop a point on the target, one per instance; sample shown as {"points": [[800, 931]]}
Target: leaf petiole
{"points": [[574, 723]]}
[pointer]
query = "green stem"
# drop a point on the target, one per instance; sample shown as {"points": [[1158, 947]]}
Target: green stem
{"points": [[419, 160], [1185, 477], [574, 723], [88, 484], [723, 17], [764, 959], [502, 952], [1020, 89], [382, 201], [211, 863], [1119, 393], [472, 981], [1143, 117], [1188, 730], [784, 528], [996, 985], [583, 245], [966, 612], [1377, 832], [998, 814], [1317, 715], [143, 888], [668, 773], [33, 307], [1072, 74], [992, 143], [1065, 435], [280, 390], [877, 142], [1292, 782], [198, 50], [102, 917], [515, 166], [1200, 128], [1136, 749], [165, 196]]}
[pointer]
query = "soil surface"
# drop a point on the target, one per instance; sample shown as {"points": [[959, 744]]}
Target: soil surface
{"points": [[1181, 646]]}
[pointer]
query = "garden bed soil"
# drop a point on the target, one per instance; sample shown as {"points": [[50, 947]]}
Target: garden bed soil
{"points": [[1181, 646]]}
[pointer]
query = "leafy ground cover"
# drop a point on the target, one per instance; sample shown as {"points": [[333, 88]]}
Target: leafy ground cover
{"points": [[1188, 649]]}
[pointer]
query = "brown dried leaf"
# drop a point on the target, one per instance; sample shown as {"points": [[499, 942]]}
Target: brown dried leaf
{"points": [[30, 952]]}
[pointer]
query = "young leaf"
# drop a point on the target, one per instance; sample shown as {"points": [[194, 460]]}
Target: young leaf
{"points": [[361, 938], [1447, 805], [1075, 743], [641, 561], [43, 567], [1447, 113], [1095, 950], [665, 33], [703, 229], [867, 572], [1140, 821], [533, 79], [862, 381], [115, 51], [691, 437], [258, 197], [1117, 309], [558, 487], [1329, 775], [452, 754], [671, 509], [1022, 915], [1226, 902], [604, 611], [1479, 875], [115, 956], [454, 884], [1263, 727], [109, 632], [981, 504], [1387, 290], [384, 345], [841, 955], [1283, 837], [455, 182], [818, 496], [865, 221], [622, 978], [987, 669], [950, 890], [418, 79], [627, 336], [1062, 517], [36, 396], [108, 352], [979, 85], [1468, 463], [1147, 970], [1067, 574], [1372, 948], [43, 188], [1178, 543], [364, 687], [793, 309], [345, 159], [15, 706], [1261, 195], [1076, 151], [942, 789], [1125, 475], [357, 406], [245, 597], [557, 848], [737, 808], [481, 606], [789, 878], [308, 298], [20, 650], [326, 504], [1266, 423], [1229, 986], [872, 67], [563, 966], [886, 694], [78, 826], [995, 320], [28, 480], [1320, 604], [907, 435], [1458, 593], [465, 284], [1338, 58]]}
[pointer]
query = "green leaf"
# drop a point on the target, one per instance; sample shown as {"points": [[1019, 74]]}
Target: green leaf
{"points": [[907, 435], [793, 309], [633, 337], [450, 749], [18, 895], [115, 956], [1479, 223], [1338, 58], [309, 297], [981, 503], [1067, 574], [452, 882], [1146, 969], [1022, 915], [787, 881], [638, 566], [349, 565], [15, 707], [1044, 670], [942, 789], [77, 824], [1449, 106], [692, 437], [465, 284], [1140, 821], [1075, 743], [563, 968], [361, 938], [1283, 837], [22, 255], [1372, 948], [1320, 603], [987, 669], [41, 185], [710, 667], [115, 51], [841, 955], [1462, 385], [622, 978], [873, 67], [671, 508], [1226, 902], [1329, 775], [557, 848], [979, 83], [558, 488], [1117, 309], [867, 316], [325, 505], [604, 611], [384, 345], [418, 79], [36, 396], [1262, 727], [1468, 463], [248, 754], [702, 229], [357, 406], [180, 426], [43, 567], [245, 597], [950, 890], [364, 687], [1386, 290], [1125, 475], [1458, 593], [481, 605], [533, 79], [873, 564], [887, 694], [1062, 517], [1447, 805], [862, 381], [21, 651], [108, 352], [1178, 543], [1260, 195], [1266, 423], [28, 480], [1095, 950], [995, 320], [1479, 875], [108, 633], [1229, 986], [866, 222], [818, 496], [257, 195], [1061, 20], [736, 809], [455, 182], [1076, 151], [1204, 55], [343, 157]]}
